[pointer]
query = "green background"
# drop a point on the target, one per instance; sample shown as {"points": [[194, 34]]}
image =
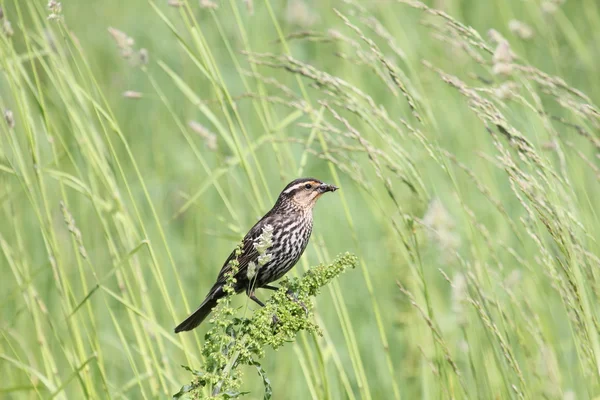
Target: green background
{"points": [[116, 214]]}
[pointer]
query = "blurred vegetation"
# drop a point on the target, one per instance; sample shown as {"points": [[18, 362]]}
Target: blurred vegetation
{"points": [[140, 140]]}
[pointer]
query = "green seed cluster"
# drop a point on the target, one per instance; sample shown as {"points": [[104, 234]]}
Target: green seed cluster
{"points": [[233, 342]]}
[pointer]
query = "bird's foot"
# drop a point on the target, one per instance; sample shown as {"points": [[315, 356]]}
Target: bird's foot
{"points": [[292, 295]]}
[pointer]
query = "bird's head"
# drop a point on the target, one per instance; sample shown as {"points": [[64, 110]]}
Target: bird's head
{"points": [[305, 192]]}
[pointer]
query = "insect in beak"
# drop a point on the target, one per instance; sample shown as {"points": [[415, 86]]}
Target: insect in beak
{"points": [[326, 188]]}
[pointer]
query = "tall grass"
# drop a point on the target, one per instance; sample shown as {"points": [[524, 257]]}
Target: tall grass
{"points": [[140, 141]]}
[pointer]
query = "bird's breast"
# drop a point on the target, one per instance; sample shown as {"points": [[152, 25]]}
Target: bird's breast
{"points": [[290, 238]]}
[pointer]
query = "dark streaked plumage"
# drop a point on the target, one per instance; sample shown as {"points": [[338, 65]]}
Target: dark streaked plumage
{"points": [[291, 219]]}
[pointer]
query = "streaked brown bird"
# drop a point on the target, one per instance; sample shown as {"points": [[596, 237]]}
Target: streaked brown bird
{"points": [[291, 222]]}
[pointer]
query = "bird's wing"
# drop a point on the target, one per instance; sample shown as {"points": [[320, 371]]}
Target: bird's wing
{"points": [[248, 254]]}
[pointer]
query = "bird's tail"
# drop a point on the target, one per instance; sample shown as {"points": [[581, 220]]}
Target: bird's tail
{"points": [[202, 312]]}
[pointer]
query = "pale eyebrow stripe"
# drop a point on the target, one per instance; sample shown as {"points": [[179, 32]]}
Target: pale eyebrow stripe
{"points": [[298, 185]]}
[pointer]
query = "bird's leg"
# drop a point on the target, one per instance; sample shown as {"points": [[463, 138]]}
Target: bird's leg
{"points": [[252, 296], [255, 299], [290, 293], [274, 288]]}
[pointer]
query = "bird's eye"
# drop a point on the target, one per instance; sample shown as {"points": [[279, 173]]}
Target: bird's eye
{"points": [[308, 186]]}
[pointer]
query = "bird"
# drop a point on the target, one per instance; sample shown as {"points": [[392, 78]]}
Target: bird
{"points": [[291, 222]]}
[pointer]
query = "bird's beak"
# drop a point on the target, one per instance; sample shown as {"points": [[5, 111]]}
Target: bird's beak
{"points": [[326, 188]]}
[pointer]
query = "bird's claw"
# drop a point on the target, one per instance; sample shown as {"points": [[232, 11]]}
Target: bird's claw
{"points": [[304, 308], [294, 297], [292, 294]]}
